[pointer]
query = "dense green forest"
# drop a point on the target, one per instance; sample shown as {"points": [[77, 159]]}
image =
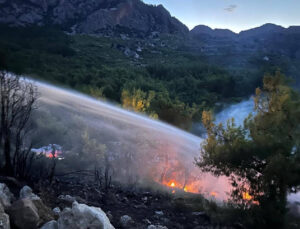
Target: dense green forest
{"points": [[181, 83]]}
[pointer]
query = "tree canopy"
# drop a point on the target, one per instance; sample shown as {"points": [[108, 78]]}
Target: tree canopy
{"points": [[262, 157]]}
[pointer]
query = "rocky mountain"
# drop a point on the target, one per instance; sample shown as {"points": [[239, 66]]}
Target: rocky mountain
{"points": [[203, 30], [91, 16], [266, 39]]}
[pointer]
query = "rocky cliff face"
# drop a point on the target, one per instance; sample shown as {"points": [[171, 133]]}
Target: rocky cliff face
{"points": [[268, 38], [91, 16]]}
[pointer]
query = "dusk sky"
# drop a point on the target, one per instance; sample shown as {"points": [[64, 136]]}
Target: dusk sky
{"points": [[236, 15]]}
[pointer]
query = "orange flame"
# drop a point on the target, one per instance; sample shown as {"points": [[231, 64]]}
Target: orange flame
{"points": [[246, 196]]}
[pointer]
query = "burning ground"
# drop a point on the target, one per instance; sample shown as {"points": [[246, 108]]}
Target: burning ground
{"points": [[129, 148]]}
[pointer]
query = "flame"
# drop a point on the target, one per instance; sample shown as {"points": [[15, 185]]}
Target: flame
{"points": [[51, 155], [214, 194], [246, 196], [174, 171]]}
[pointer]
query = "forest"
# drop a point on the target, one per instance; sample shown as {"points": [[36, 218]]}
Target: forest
{"points": [[180, 82]]}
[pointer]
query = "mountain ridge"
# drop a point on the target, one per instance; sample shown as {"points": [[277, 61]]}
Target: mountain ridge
{"points": [[92, 16], [265, 28], [110, 17]]}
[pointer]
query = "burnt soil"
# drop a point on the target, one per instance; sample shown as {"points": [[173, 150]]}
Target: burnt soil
{"points": [[144, 205]]}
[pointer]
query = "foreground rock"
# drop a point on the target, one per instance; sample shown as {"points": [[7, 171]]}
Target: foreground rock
{"points": [[27, 213], [6, 197], [24, 214], [50, 225], [81, 216], [26, 192], [4, 219], [156, 227], [126, 221]]}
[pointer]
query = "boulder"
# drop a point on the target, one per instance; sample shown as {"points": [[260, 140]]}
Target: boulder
{"points": [[26, 192], [50, 225], [45, 213], [24, 214], [126, 221], [156, 227], [160, 213], [56, 211], [67, 198], [1, 208], [4, 221], [81, 216], [6, 197]]}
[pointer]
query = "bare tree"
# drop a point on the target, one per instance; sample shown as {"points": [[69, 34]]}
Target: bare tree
{"points": [[54, 161], [17, 100]]}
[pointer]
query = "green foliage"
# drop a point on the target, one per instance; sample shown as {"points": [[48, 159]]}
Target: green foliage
{"points": [[262, 158], [180, 80]]}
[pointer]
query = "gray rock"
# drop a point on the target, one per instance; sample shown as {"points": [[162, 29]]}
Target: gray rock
{"points": [[160, 213], [126, 221], [26, 192], [45, 213], [199, 213], [4, 221], [6, 197], [1, 208], [81, 216], [147, 221], [24, 214], [50, 225], [56, 211], [156, 227], [67, 198]]}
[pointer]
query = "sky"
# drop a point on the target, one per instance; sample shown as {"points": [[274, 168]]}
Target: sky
{"points": [[236, 15]]}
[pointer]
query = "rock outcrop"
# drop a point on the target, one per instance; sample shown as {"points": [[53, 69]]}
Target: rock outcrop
{"points": [[6, 197], [29, 211], [50, 225], [26, 192], [24, 214], [81, 216], [91, 16], [126, 221], [4, 218]]}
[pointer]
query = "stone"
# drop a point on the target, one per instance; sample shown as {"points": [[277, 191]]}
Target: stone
{"points": [[81, 216], [6, 197], [67, 198], [45, 213], [126, 221], [109, 215], [1, 208], [147, 221], [50, 225], [26, 192], [56, 211], [24, 214], [156, 227], [160, 213], [4, 221]]}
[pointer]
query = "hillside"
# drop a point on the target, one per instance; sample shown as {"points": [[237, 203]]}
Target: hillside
{"points": [[104, 17], [268, 44], [126, 49]]}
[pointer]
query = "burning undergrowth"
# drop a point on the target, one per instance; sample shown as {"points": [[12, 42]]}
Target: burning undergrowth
{"points": [[118, 145]]}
